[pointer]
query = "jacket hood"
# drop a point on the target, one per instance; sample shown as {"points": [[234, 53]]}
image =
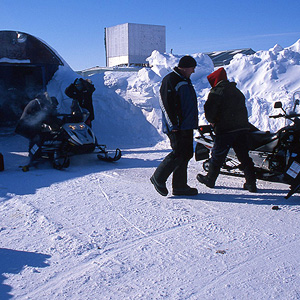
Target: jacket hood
{"points": [[217, 76]]}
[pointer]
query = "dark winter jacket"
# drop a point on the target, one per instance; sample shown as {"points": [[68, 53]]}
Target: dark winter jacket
{"points": [[83, 96], [225, 107], [178, 102]]}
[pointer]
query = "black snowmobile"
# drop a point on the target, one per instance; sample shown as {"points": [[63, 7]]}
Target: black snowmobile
{"points": [[58, 143], [276, 156]]}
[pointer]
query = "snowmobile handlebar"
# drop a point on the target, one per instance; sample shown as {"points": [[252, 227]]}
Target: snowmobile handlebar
{"points": [[277, 116], [74, 117], [290, 116]]}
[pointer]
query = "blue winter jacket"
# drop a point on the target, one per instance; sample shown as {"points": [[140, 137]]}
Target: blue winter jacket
{"points": [[178, 102]]}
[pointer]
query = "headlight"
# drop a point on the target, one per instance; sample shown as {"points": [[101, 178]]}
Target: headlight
{"points": [[78, 127]]}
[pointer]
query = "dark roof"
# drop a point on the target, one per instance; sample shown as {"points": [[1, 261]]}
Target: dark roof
{"points": [[221, 58], [19, 46]]}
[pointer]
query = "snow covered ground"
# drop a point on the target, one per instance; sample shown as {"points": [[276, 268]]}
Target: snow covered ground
{"points": [[100, 231]]}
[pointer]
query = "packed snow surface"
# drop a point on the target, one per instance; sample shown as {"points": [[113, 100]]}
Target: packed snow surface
{"points": [[100, 231]]}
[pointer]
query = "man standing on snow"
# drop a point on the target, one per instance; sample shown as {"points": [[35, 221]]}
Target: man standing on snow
{"points": [[82, 90], [226, 110], [178, 102]]}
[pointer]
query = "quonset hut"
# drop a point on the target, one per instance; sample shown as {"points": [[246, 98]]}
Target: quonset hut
{"points": [[26, 66]]}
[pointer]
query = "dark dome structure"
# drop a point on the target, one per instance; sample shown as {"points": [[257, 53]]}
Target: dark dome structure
{"points": [[26, 66]]}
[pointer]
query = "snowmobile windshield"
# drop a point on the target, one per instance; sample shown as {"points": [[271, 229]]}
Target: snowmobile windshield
{"points": [[85, 114]]}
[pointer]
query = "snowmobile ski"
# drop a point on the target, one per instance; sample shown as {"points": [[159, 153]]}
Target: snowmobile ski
{"points": [[106, 156]]}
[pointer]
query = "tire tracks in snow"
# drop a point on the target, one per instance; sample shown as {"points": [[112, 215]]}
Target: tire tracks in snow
{"points": [[204, 220], [123, 217]]}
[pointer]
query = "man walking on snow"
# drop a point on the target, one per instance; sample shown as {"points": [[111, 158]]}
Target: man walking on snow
{"points": [[226, 110], [178, 102]]}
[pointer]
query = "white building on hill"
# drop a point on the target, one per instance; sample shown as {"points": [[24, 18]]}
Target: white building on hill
{"points": [[130, 44]]}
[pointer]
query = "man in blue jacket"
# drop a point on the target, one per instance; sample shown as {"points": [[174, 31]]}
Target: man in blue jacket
{"points": [[178, 102]]}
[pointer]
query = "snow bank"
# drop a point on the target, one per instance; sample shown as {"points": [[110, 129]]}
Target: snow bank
{"points": [[141, 89], [266, 77]]}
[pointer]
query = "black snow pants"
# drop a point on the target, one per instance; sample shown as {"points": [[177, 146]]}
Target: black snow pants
{"points": [[176, 162], [238, 140]]}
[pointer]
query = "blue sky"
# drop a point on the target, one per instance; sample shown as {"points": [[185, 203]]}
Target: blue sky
{"points": [[75, 29]]}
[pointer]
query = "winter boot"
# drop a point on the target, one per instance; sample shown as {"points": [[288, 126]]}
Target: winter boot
{"points": [[250, 177], [186, 191], [250, 186], [210, 179], [160, 187]]}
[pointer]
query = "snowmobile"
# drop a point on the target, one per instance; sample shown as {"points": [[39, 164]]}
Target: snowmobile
{"points": [[276, 156], [73, 137]]}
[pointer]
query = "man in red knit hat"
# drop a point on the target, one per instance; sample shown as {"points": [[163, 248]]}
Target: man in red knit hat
{"points": [[226, 110]]}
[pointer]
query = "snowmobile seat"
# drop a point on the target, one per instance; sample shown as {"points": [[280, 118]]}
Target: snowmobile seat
{"points": [[262, 140]]}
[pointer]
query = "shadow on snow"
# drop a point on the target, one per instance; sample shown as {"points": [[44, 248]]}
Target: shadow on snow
{"points": [[262, 197], [13, 261]]}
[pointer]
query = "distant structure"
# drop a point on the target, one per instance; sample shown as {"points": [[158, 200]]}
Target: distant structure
{"points": [[130, 44], [222, 58]]}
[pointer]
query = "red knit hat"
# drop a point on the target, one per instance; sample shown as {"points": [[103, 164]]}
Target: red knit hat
{"points": [[217, 76]]}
